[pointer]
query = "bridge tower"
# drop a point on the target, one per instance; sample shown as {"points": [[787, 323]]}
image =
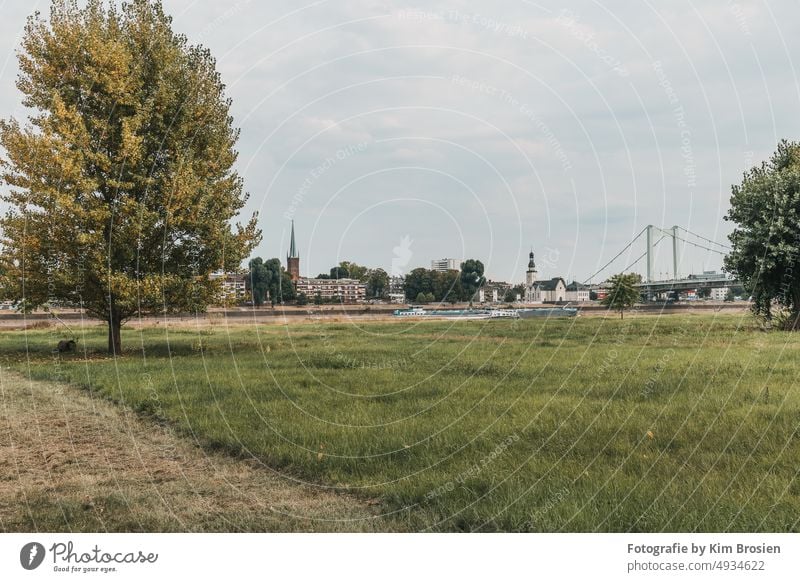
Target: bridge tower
{"points": [[673, 232], [675, 253]]}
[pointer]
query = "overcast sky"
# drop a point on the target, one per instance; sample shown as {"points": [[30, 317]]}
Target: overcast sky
{"points": [[396, 133]]}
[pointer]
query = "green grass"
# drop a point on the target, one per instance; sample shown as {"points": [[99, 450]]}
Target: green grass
{"points": [[675, 423]]}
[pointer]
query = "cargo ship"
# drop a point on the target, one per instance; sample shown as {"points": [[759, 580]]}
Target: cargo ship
{"points": [[488, 313]]}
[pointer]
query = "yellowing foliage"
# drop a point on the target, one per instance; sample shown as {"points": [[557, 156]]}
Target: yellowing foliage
{"points": [[122, 188]]}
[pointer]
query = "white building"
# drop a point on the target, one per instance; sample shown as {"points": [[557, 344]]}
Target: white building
{"points": [[493, 292], [444, 265], [343, 290], [719, 293], [488, 295], [397, 297], [233, 285], [577, 292], [550, 290], [396, 284]]}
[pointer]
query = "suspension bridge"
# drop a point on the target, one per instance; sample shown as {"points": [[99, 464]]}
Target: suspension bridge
{"points": [[653, 235]]}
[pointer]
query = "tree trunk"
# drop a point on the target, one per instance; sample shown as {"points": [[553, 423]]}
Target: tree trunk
{"points": [[114, 335], [621, 314]]}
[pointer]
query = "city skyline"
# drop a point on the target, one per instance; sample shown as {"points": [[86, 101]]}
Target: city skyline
{"points": [[402, 265]]}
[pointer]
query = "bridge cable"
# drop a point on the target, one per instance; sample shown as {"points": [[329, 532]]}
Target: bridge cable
{"points": [[636, 261], [704, 238], [701, 246], [644, 254], [625, 248]]}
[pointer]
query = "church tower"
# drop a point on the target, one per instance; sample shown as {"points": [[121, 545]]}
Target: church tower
{"points": [[530, 274], [293, 259]]}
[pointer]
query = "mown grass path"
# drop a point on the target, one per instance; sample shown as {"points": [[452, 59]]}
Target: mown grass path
{"points": [[71, 462]]}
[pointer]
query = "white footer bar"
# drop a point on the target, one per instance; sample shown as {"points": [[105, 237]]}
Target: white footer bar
{"points": [[401, 557]]}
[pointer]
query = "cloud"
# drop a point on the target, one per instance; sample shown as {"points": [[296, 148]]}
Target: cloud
{"points": [[490, 128]]}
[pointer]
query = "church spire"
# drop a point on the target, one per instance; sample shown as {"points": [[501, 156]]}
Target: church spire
{"points": [[293, 259], [292, 246]]}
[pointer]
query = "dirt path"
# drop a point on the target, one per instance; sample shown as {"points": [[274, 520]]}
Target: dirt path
{"points": [[73, 462]]}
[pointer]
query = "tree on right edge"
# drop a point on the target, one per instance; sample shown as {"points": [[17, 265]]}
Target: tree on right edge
{"points": [[766, 240]]}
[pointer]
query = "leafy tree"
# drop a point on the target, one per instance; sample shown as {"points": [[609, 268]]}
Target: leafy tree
{"points": [[339, 273], [454, 291], [258, 280], [302, 299], [121, 190], [442, 286], [511, 294], [623, 294], [738, 290], [354, 271], [418, 281], [471, 278], [446, 286], [729, 296], [703, 292], [425, 298], [279, 286], [766, 240], [287, 289], [377, 281]]}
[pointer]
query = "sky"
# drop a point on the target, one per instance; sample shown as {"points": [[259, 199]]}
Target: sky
{"points": [[395, 133]]}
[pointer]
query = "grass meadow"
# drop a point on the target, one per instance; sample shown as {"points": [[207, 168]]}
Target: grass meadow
{"points": [[683, 422]]}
